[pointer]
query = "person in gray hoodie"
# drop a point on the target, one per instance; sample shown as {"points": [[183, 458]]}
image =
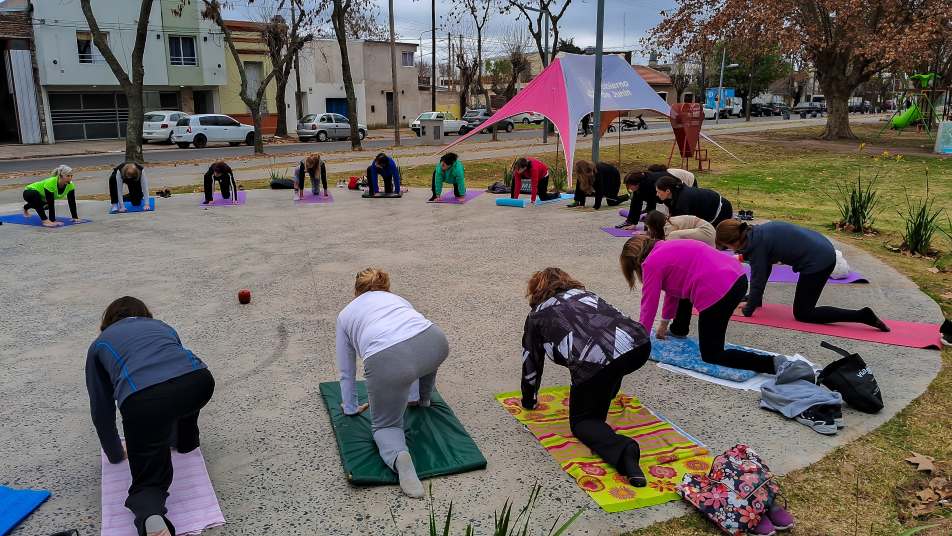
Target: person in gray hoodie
{"points": [[140, 365]]}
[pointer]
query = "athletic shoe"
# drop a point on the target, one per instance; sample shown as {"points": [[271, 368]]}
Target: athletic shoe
{"points": [[819, 419], [432, 199], [622, 224], [764, 528], [297, 197], [946, 331], [837, 413], [780, 518]]}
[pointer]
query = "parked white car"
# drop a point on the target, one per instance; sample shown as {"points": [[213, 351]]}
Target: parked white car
{"points": [[327, 126], [709, 113], [528, 117], [201, 129], [158, 125], [451, 124]]}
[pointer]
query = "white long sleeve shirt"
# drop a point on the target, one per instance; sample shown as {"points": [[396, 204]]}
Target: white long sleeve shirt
{"points": [[372, 322]]}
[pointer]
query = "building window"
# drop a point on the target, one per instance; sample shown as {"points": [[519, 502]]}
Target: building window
{"points": [[406, 59], [86, 49], [182, 50]]}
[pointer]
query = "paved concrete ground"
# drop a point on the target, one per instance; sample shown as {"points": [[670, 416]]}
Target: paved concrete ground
{"points": [[266, 436]]}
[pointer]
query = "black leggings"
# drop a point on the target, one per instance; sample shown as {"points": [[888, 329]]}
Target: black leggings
{"points": [[150, 419], [726, 212], [809, 288], [542, 189], [135, 194], [712, 329], [433, 187], [35, 201], [589, 402]]}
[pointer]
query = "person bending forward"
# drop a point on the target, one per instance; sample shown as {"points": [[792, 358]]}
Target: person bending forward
{"points": [[42, 195], [537, 173], [314, 166], [385, 167], [133, 176], [221, 173], [449, 171], [600, 180]]}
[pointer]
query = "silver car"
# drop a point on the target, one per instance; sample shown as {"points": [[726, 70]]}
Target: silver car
{"points": [[323, 127]]}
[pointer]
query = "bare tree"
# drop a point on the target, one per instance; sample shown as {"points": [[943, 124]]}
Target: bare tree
{"points": [[131, 86], [515, 66], [536, 19], [680, 79], [284, 45], [339, 17], [466, 64]]}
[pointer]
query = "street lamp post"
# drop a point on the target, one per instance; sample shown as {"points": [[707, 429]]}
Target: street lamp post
{"points": [[597, 112], [720, 87]]}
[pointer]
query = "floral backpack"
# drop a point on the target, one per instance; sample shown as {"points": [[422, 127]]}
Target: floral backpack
{"points": [[736, 493]]}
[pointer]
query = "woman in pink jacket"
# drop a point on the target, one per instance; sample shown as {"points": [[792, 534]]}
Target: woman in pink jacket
{"points": [[692, 275]]}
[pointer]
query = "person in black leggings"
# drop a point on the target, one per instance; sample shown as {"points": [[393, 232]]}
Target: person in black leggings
{"points": [[133, 176], [701, 202], [808, 252], [600, 180], [41, 196], [221, 173]]}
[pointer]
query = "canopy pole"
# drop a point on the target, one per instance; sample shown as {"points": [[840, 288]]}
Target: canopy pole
{"points": [[599, 30]]}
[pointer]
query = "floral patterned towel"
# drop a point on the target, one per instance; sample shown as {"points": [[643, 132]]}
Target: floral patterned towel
{"points": [[666, 453]]}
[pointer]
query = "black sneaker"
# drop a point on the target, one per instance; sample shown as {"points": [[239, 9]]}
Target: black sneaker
{"points": [[946, 331], [819, 419], [836, 412]]}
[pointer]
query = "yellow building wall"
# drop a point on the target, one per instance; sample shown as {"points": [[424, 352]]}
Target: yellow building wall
{"points": [[251, 49]]}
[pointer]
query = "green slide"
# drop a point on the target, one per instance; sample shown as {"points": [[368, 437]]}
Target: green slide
{"points": [[437, 440], [909, 116]]}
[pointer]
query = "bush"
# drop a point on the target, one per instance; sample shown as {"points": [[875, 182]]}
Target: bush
{"points": [[507, 177], [857, 203], [558, 178], [920, 222]]}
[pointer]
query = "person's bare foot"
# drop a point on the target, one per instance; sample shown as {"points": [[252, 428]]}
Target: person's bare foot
{"points": [[48, 223], [26, 213]]}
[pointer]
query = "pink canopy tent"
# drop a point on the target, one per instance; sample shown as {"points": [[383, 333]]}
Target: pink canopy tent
{"points": [[565, 93]]}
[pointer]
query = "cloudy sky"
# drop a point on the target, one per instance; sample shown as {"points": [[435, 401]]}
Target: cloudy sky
{"points": [[626, 21]]}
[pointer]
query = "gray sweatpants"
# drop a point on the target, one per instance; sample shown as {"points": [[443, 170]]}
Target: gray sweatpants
{"points": [[390, 373]]}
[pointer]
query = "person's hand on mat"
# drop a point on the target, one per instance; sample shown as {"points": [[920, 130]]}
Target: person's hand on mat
{"points": [[145, 206], [360, 409], [662, 332], [122, 208]]}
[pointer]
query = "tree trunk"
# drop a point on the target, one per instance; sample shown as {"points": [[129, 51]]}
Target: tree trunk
{"points": [[256, 121], [280, 105], [340, 29], [838, 117], [134, 124], [748, 96]]}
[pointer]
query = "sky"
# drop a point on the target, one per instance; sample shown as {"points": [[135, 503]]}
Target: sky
{"points": [[626, 22]]}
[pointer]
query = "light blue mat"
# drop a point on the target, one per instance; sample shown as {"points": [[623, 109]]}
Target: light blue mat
{"points": [[684, 353], [17, 504]]}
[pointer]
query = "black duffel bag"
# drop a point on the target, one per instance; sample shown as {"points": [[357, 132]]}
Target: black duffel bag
{"points": [[853, 379], [282, 184]]}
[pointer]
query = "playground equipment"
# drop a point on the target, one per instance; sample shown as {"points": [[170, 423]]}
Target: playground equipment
{"points": [[920, 103]]}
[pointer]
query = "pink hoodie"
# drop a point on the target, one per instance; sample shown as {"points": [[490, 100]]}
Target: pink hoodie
{"points": [[684, 269]]}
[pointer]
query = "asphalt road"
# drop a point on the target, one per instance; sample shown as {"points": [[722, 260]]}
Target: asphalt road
{"points": [[212, 153]]}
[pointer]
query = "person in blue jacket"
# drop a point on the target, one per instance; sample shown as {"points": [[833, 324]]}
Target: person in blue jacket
{"points": [[385, 167], [140, 365]]}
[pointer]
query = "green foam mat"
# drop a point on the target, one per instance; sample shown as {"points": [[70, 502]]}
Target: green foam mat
{"points": [[438, 442]]}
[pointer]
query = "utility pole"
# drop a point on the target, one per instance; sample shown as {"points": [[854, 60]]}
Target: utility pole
{"points": [[298, 96], [433, 58], [393, 74], [545, 61], [597, 113], [449, 60], [720, 89]]}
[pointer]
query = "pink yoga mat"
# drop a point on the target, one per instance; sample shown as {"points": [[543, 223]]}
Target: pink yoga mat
{"points": [[192, 504], [911, 334], [310, 199], [450, 199], [622, 233], [217, 200]]}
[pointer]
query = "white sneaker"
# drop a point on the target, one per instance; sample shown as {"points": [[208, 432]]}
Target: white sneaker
{"points": [[409, 481]]}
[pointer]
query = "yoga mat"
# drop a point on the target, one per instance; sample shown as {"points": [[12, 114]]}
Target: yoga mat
{"points": [[218, 201], [18, 219], [311, 199], [911, 334], [782, 273], [752, 384], [624, 214], [524, 201], [192, 504], [381, 196], [684, 353], [622, 233], [437, 441], [666, 453], [133, 208], [561, 197], [17, 504], [450, 199]]}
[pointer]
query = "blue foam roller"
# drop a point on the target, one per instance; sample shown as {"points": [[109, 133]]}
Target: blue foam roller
{"points": [[510, 202]]}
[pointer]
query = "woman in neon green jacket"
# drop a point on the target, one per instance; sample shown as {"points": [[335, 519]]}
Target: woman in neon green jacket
{"points": [[41, 196], [449, 171]]}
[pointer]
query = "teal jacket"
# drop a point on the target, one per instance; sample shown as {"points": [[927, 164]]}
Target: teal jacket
{"points": [[453, 175]]}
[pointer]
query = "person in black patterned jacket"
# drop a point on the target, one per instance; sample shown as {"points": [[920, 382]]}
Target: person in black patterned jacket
{"points": [[599, 345]]}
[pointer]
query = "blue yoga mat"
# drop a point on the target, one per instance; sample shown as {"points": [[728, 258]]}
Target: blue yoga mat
{"points": [[18, 219], [134, 208], [17, 504], [524, 202], [684, 353]]}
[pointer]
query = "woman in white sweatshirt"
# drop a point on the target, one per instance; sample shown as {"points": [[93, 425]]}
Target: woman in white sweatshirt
{"points": [[398, 347]]}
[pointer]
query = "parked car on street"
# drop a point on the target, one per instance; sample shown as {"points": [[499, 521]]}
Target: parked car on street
{"points": [[477, 118], [760, 110], [779, 108], [451, 124], [328, 126], [528, 117], [201, 129], [158, 125], [812, 109], [709, 113]]}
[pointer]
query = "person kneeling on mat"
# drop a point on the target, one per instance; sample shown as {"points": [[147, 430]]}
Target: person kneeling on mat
{"points": [[603, 347], [706, 204], [398, 347], [600, 180], [537, 174], [221, 173], [384, 166], [314, 166], [808, 252], [641, 186], [133, 176], [450, 171], [686, 176], [41, 196], [692, 275], [662, 227], [140, 365]]}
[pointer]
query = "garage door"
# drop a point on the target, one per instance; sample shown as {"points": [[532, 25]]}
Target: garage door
{"points": [[88, 116]]}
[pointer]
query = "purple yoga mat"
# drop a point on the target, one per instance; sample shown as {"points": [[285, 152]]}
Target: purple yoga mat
{"points": [[781, 273], [311, 199], [217, 200], [450, 199], [624, 214], [622, 233]]}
